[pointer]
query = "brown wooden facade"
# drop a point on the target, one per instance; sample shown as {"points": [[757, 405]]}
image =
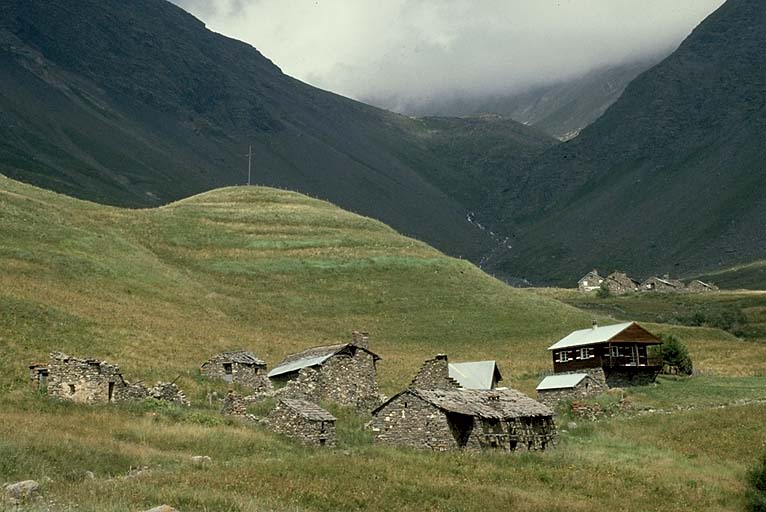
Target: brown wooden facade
{"points": [[629, 349]]}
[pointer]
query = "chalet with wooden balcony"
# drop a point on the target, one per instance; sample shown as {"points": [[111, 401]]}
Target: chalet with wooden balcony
{"points": [[619, 354]]}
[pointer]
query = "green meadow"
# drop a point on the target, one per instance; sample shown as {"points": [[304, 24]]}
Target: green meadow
{"points": [[160, 290]]}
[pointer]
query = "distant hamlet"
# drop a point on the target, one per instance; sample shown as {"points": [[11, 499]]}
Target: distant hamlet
{"points": [[619, 283]]}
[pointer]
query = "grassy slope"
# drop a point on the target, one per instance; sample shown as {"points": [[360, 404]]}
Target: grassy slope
{"points": [[749, 276], [159, 290]]}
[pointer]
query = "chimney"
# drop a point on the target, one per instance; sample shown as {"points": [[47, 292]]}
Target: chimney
{"points": [[434, 374], [666, 276], [360, 339], [595, 324]]}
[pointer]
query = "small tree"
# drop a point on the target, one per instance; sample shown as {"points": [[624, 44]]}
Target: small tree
{"points": [[603, 291], [675, 355], [756, 486]]}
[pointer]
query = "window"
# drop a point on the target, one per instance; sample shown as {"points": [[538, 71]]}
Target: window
{"points": [[227, 368], [614, 351], [563, 356], [586, 353]]}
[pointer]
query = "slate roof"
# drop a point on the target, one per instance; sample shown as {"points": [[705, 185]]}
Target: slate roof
{"points": [[499, 404], [475, 374], [308, 410], [242, 357], [562, 381], [312, 357]]}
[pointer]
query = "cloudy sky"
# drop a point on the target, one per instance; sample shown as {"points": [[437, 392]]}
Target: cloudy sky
{"points": [[411, 49]]}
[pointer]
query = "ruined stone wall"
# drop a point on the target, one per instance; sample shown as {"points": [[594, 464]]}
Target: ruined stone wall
{"points": [[434, 374], [169, 392], [408, 420], [251, 376], [83, 380], [131, 392], [286, 421], [342, 379], [518, 434]]}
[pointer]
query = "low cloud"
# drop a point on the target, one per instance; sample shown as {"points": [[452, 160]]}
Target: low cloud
{"points": [[406, 51]]}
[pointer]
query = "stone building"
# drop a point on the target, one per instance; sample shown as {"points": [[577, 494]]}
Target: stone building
{"points": [[83, 380], [697, 286], [616, 355], [590, 281], [240, 367], [94, 381], [304, 421], [345, 374], [435, 413], [472, 419], [476, 374], [665, 284], [619, 283], [569, 386]]}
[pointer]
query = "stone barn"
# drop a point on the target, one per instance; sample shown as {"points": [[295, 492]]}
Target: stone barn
{"points": [[569, 386], [619, 283], [304, 421], [434, 412], [657, 284], [240, 367], [476, 374], [84, 380], [471, 419], [345, 374], [697, 286], [590, 281]]}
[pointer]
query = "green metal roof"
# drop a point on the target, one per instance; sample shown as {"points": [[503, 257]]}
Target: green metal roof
{"points": [[563, 381], [475, 375]]}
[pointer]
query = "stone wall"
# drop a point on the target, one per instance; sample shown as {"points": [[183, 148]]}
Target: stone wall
{"points": [[286, 421], [631, 376], [343, 379], [408, 420], [434, 374], [248, 375], [83, 380], [169, 392]]}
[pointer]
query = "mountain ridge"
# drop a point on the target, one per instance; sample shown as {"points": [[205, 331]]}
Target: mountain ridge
{"points": [[665, 180]]}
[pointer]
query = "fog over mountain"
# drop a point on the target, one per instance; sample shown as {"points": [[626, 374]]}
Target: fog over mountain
{"points": [[401, 53]]}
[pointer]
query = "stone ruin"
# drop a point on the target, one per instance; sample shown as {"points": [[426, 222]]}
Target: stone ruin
{"points": [[303, 421], [90, 381]]}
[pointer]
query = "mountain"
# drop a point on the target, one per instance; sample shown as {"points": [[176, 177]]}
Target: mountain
{"points": [[560, 109], [668, 179], [137, 104]]}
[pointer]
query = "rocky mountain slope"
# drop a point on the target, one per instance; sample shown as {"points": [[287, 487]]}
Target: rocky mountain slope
{"points": [[668, 179], [137, 104]]}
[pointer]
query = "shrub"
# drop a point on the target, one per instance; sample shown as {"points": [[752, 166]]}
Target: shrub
{"points": [[603, 292], [675, 355], [756, 487]]}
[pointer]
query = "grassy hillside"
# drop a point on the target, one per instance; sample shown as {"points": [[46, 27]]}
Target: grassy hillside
{"points": [[750, 276], [269, 270], [159, 290]]}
